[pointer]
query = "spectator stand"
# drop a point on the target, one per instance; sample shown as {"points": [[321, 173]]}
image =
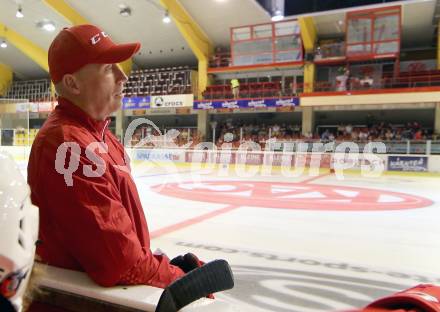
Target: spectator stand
{"points": [[265, 58], [159, 81], [371, 47], [32, 90]]}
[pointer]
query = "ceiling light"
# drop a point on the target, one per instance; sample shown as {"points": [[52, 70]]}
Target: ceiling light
{"points": [[49, 27], [166, 18], [124, 10], [46, 25], [4, 45], [19, 13], [277, 16]]}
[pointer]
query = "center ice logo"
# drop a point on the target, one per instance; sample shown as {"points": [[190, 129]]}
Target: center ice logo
{"points": [[292, 195]]}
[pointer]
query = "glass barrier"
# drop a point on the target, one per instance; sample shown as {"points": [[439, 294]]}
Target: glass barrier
{"points": [[330, 50], [392, 147]]}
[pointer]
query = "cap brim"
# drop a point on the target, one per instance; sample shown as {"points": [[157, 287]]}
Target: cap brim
{"points": [[118, 53], [398, 301]]}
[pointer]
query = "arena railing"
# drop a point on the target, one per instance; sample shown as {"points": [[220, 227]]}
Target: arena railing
{"points": [[159, 81], [413, 81], [417, 147], [32, 90]]}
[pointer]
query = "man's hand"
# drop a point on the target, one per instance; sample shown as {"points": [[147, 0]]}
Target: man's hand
{"points": [[187, 263]]}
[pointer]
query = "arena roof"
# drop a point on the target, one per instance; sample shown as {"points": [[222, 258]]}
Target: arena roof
{"points": [[162, 44]]}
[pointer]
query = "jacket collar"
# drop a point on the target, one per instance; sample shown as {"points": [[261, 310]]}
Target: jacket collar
{"points": [[98, 126]]}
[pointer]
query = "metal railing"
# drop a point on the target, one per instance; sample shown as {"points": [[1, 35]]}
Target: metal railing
{"points": [[356, 84], [427, 147], [32, 90]]}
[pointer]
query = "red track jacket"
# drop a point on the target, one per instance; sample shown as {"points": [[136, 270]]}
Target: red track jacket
{"points": [[93, 224]]}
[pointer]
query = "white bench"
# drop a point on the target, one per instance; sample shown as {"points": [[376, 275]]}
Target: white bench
{"points": [[77, 292]]}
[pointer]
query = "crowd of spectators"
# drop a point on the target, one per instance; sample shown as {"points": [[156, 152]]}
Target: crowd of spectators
{"points": [[376, 132], [237, 133], [382, 131], [228, 132], [149, 137]]}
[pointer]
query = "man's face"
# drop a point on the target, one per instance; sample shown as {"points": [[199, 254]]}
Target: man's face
{"points": [[101, 87]]}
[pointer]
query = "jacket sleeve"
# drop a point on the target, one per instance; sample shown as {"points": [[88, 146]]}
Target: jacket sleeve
{"points": [[95, 227], [138, 275]]}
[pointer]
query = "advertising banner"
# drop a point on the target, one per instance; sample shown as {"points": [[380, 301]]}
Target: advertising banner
{"points": [[408, 163], [158, 155], [136, 102], [21, 107], [173, 100], [44, 107], [247, 103]]}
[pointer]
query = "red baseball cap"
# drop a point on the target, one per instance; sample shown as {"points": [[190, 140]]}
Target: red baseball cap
{"points": [[80, 45], [424, 298]]}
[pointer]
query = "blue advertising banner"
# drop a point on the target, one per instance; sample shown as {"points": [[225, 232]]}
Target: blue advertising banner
{"points": [[136, 102], [158, 155], [408, 163], [247, 103]]}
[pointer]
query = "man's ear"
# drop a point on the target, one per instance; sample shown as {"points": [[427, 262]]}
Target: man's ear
{"points": [[71, 84]]}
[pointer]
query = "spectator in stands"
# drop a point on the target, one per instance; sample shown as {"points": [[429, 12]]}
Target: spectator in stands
{"points": [[370, 120], [363, 134], [92, 218], [216, 57], [259, 133], [418, 135], [276, 130], [406, 134], [340, 130], [348, 129], [331, 137], [325, 135], [366, 82], [398, 134], [355, 134], [389, 135], [343, 79], [235, 87]]}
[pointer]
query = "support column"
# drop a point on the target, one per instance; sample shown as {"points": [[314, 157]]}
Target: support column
{"points": [[30, 49], [308, 120], [202, 78], [120, 118], [309, 77], [437, 119], [309, 38], [196, 38], [203, 126], [5, 79]]}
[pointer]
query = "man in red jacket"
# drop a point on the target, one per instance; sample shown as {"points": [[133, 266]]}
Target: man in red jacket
{"points": [[91, 215]]}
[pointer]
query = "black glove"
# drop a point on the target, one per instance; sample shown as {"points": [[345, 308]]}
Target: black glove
{"points": [[187, 263]]}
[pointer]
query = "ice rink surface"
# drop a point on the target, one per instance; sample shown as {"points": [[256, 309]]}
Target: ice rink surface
{"points": [[298, 244], [307, 243]]}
